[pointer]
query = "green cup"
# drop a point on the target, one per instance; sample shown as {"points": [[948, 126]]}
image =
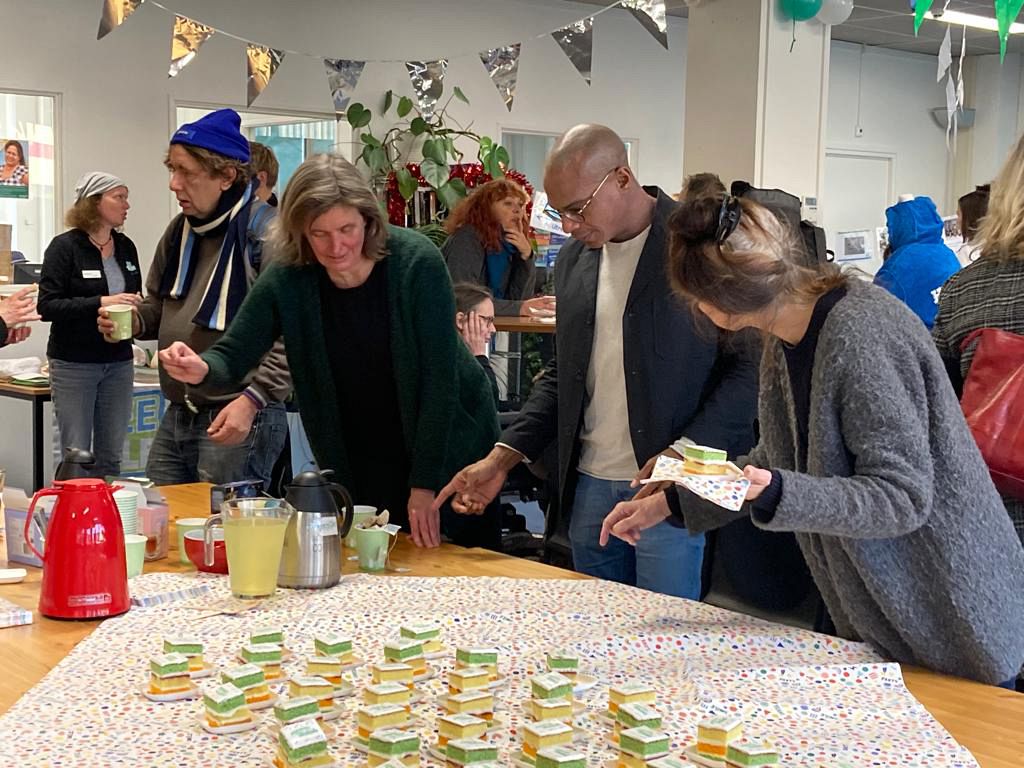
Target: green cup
{"points": [[134, 552], [362, 513], [372, 546], [121, 316], [185, 525]]}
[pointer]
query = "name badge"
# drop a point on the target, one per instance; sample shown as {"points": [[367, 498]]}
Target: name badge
{"points": [[91, 274], [129, 266]]}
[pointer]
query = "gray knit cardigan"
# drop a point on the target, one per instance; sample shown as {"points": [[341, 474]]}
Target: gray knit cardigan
{"points": [[894, 510]]}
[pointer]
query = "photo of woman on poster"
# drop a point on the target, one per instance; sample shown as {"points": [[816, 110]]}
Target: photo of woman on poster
{"points": [[14, 170]]}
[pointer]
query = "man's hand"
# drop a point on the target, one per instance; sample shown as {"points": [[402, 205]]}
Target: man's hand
{"points": [[476, 486], [182, 364], [628, 518], [232, 424], [759, 480], [538, 305], [106, 326], [645, 472], [424, 519]]}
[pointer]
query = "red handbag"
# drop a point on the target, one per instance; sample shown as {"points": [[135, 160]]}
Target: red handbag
{"points": [[993, 403]]}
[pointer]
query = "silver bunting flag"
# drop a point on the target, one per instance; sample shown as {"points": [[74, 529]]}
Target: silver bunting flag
{"points": [[502, 65], [188, 37], [342, 77], [650, 13], [577, 42], [114, 14], [262, 63], [428, 83]]}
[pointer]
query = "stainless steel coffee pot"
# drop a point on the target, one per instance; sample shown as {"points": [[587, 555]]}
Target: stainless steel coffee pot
{"points": [[311, 558]]}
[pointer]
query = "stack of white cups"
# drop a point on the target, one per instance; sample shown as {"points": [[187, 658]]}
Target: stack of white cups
{"points": [[127, 505]]}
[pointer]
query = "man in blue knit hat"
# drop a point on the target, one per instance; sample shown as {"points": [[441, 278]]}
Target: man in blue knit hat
{"points": [[201, 272]]}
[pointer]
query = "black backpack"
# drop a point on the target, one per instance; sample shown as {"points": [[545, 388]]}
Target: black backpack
{"points": [[787, 208]]}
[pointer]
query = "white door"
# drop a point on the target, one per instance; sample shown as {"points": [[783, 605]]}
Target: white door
{"points": [[858, 189]]}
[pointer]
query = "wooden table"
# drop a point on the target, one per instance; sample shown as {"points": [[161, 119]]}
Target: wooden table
{"points": [[37, 396], [986, 720], [519, 324]]}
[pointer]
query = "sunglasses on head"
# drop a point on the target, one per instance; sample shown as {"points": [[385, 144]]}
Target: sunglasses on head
{"points": [[728, 218]]}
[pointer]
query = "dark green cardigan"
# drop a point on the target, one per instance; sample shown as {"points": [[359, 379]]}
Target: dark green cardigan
{"points": [[447, 409]]}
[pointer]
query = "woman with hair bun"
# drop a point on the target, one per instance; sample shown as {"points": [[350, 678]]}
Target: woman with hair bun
{"points": [[864, 452]]}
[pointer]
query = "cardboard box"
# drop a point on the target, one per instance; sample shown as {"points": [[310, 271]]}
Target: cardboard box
{"points": [[6, 267], [5, 237]]}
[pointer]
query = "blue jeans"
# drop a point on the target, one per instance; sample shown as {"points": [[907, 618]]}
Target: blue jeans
{"points": [[182, 452], [92, 403], [666, 559]]}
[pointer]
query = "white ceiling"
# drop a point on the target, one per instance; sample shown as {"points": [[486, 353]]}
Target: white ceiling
{"points": [[890, 24]]}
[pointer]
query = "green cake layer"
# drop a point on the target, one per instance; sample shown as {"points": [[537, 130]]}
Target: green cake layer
{"points": [[293, 709], [560, 757], [263, 653], [639, 715], [400, 650], [300, 741], [471, 751], [421, 631], [332, 645], [643, 742], [475, 656], [267, 635], [751, 754], [703, 453], [224, 699], [245, 676], [186, 646], [169, 665], [551, 686]]}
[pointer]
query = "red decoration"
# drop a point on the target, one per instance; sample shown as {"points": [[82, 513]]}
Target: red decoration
{"points": [[472, 175]]}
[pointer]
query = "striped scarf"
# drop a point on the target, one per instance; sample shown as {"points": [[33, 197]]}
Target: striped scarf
{"points": [[228, 284]]}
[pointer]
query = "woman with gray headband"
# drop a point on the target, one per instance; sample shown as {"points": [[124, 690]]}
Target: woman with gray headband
{"points": [[92, 265]]}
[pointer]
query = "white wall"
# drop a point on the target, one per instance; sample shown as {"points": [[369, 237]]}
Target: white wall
{"points": [[897, 92]]}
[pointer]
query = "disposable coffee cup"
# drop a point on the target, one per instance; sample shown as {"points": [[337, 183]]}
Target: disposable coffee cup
{"points": [[121, 316]]}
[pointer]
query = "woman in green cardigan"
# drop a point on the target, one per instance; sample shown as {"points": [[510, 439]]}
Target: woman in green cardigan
{"points": [[389, 395]]}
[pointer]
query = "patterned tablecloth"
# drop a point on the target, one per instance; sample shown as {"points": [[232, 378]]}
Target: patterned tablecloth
{"points": [[821, 700]]}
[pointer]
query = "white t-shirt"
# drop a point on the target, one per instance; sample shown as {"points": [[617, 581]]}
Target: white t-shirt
{"points": [[607, 449]]}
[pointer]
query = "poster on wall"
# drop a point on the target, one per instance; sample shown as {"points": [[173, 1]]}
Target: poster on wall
{"points": [[14, 170], [951, 234], [882, 238], [855, 245]]}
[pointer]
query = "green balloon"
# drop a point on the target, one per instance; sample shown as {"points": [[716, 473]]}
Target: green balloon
{"points": [[800, 10]]}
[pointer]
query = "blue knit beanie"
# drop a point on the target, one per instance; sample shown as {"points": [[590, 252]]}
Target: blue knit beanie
{"points": [[218, 132]]}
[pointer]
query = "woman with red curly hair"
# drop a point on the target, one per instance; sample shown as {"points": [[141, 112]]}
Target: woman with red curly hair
{"points": [[488, 244]]}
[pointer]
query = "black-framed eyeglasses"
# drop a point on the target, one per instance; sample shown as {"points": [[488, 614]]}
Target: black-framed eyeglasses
{"points": [[728, 218], [576, 216]]}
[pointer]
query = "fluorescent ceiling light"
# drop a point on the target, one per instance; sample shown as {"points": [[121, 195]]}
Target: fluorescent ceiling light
{"points": [[958, 18]]}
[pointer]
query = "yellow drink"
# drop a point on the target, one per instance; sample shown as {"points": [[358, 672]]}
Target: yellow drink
{"points": [[254, 547]]}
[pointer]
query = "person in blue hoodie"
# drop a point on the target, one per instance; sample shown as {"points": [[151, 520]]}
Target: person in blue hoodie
{"points": [[919, 263]]}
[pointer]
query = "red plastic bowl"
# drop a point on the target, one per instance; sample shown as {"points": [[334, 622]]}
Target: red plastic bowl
{"points": [[194, 551]]}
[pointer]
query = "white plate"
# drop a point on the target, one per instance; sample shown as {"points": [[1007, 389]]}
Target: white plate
{"points": [[603, 717], [692, 755], [583, 682], [437, 654], [330, 714], [192, 693], [430, 674], [264, 704], [344, 691], [271, 764], [519, 760], [497, 682], [238, 728], [207, 670], [542, 312], [12, 575], [354, 664]]}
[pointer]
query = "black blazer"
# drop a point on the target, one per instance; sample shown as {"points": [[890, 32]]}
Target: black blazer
{"points": [[70, 287], [681, 379]]}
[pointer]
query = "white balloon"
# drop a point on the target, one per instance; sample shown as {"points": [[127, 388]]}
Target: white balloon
{"points": [[835, 11]]}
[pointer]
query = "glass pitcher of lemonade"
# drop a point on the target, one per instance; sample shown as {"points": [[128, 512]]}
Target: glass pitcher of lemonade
{"points": [[254, 537]]}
